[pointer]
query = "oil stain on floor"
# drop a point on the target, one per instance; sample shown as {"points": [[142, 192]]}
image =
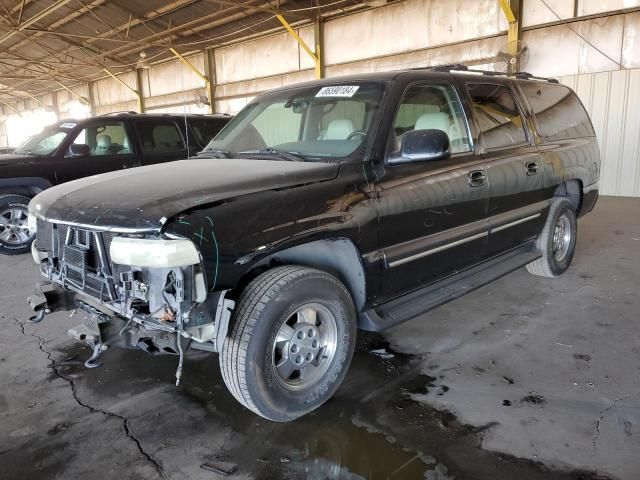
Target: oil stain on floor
{"points": [[371, 429]]}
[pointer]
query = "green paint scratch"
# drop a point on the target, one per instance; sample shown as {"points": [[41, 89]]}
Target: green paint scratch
{"points": [[215, 242], [184, 223]]}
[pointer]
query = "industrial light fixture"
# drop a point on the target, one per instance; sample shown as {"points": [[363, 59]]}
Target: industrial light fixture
{"points": [[142, 61]]}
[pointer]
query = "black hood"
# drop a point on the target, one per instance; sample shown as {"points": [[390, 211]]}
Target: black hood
{"points": [[143, 199], [13, 159]]}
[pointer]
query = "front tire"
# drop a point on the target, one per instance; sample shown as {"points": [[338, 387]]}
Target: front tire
{"points": [[15, 237], [291, 343], [557, 241]]}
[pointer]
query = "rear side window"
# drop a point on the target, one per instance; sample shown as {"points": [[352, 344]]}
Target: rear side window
{"points": [[160, 137], [498, 114], [206, 129], [559, 113]]}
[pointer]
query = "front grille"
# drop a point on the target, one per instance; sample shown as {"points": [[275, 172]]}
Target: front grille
{"points": [[79, 263]]}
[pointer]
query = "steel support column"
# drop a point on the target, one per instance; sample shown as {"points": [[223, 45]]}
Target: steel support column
{"points": [[315, 56], [92, 99], [140, 90], [210, 70], [512, 10], [318, 36]]}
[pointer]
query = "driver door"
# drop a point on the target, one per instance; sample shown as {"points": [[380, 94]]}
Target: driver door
{"points": [[432, 213], [101, 146]]}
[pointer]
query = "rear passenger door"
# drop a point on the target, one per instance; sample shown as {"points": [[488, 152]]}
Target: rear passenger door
{"points": [[517, 203], [160, 140]]}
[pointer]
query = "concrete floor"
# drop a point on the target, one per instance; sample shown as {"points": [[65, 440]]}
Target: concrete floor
{"points": [[525, 378]]}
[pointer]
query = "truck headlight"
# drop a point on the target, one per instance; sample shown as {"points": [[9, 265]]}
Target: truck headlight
{"points": [[153, 253], [32, 224]]}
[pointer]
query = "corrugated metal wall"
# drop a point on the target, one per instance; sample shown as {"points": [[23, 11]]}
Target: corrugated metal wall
{"points": [[613, 101]]}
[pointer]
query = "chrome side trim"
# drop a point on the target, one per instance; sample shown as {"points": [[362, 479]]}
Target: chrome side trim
{"points": [[426, 253], [513, 224]]}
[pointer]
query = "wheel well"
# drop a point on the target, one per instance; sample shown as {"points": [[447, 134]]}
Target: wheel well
{"points": [[339, 257], [26, 190], [572, 190]]}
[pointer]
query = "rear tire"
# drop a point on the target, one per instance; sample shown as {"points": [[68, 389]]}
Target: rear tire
{"points": [[557, 241], [15, 238], [291, 343]]}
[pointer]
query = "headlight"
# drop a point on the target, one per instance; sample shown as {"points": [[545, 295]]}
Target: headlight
{"points": [[32, 224], [153, 253]]}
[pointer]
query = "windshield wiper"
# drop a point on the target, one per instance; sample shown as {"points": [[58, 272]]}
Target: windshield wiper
{"points": [[213, 154], [273, 152]]}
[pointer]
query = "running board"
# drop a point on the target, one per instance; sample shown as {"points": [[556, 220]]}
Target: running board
{"points": [[420, 301]]}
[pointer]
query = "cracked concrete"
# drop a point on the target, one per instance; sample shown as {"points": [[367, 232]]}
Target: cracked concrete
{"points": [[563, 353], [74, 392]]}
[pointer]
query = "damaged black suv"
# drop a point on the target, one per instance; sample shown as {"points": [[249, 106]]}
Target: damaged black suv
{"points": [[321, 208]]}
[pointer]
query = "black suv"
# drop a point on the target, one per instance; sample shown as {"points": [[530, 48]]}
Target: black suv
{"points": [[355, 202], [72, 149]]}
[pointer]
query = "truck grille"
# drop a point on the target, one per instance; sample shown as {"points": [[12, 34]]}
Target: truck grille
{"points": [[80, 265]]}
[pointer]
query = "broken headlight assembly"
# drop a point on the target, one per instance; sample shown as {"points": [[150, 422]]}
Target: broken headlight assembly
{"points": [[153, 253]]}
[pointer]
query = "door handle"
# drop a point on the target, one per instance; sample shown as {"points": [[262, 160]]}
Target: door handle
{"points": [[532, 168], [477, 178]]}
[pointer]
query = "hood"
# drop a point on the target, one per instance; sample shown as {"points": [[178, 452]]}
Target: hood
{"points": [[143, 199], [12, 159]]}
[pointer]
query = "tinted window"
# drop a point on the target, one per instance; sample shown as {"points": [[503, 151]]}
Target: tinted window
{"points": [[205, 130], [160, 137], [105, 139], [498, 115], [559, 113], [432, 107]]}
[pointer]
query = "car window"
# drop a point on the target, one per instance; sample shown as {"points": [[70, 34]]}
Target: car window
{"points": [[104, 139], [498, 115], [42, 143], [431, 107], [205, 130], [311, 122], [559, 112], [160, 136]]}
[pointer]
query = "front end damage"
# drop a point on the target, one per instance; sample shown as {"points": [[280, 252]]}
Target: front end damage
{"points": [[135, 291]]}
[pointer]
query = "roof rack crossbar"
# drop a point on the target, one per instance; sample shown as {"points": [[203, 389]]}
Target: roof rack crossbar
{"points": [[463, 68]]}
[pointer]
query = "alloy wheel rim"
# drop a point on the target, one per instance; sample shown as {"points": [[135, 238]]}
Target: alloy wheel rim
{"points": [[14, 226], [562, 238], [305, 346]]}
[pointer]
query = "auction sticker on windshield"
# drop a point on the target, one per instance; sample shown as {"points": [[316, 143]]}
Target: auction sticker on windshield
{"points": [[338, 91]]}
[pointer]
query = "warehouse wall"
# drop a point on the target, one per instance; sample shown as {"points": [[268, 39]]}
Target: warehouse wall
{"points": [[414, 33]]}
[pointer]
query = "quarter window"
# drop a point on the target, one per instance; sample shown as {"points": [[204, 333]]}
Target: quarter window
{"points": [[558, 110], [104, 139], [497, 113], [431, 107], [160, 137]]}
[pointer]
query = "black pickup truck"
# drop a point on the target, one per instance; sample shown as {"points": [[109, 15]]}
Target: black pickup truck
{"points": [[72, 149], [321, 208]]}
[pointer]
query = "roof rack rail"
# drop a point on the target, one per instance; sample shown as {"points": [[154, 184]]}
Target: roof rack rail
{"points": [[123, 112], [463, 68]]}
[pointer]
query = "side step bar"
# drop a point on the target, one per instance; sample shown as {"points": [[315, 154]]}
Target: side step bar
{"points": [[420, 301]]}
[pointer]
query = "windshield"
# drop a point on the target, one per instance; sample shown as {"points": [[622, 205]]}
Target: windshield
{"points": [[307, 123], [42, 143]]}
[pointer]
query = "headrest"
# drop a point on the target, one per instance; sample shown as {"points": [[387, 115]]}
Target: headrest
{"points": [[104, 141], [433, 121], [339, 129]]}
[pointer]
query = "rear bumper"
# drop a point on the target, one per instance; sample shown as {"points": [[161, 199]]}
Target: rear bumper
{"points": [[590, 196]]}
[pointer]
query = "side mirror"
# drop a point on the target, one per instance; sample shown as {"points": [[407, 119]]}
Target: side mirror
{"points": [[79, 150], [423, 146]]}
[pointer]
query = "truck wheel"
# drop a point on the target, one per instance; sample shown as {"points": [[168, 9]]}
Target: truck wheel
{"points": [[291, 344], [557, 242], [15, 237]]}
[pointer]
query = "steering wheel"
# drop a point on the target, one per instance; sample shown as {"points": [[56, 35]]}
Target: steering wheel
{"points": [[355, 133]]}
